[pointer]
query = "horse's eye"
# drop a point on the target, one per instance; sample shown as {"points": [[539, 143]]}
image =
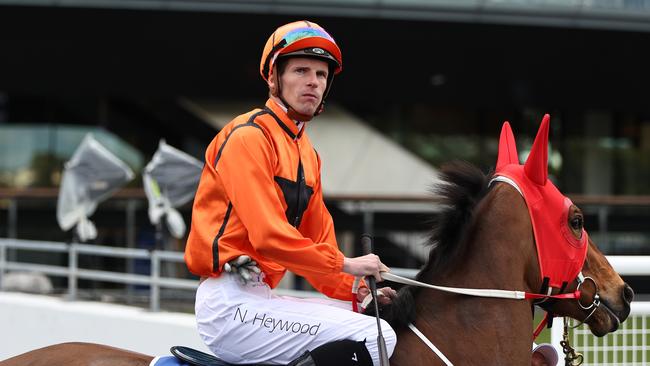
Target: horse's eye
{"points": [[577, 223]]}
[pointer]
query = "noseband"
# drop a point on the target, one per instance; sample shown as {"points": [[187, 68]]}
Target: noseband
{"points": [[545, 305]]}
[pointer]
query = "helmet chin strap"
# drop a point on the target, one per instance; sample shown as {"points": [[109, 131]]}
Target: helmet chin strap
{"points": [[291, 112], [295, 115]]}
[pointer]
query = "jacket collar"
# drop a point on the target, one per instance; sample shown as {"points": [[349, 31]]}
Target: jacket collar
{"points": [[281, 117]]}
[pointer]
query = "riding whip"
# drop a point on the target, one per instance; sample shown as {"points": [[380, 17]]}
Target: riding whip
{"points": [[366, 245]]}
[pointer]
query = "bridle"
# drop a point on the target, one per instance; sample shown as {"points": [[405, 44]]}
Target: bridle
{"points": [[545, 305], [508, 294]]}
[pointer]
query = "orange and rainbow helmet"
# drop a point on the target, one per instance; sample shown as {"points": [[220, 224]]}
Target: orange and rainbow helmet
{"points": [[301, 38]]}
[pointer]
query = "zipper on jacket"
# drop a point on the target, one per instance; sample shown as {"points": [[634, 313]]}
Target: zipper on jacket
{"points": [[300, 177]]}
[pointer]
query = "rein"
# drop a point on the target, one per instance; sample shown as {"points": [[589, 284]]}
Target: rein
{"points": [[571, 356], [479, 292], [501, 294]]}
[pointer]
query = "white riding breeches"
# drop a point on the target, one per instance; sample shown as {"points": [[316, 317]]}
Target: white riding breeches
{"points": [[248, 323]]}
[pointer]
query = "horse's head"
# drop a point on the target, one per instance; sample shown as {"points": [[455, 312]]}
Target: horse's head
{"points": [[565, 252]]}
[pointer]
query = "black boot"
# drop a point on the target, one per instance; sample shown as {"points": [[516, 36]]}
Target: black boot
{"points": [[340, 353]]}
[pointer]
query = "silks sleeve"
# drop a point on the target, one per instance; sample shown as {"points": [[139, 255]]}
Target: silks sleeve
{"points": [[246, 168]]}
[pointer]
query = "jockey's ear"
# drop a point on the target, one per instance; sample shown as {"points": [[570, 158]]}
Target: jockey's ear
{"points": [[536, 166], [507, 147], [272, 82]]}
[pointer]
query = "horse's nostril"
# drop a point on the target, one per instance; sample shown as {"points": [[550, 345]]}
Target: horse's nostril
{"points": [[628, 293]]}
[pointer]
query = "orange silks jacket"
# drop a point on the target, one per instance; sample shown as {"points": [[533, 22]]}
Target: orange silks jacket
{"points": [[260, 194]]}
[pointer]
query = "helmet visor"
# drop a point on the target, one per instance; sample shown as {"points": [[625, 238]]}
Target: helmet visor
{"points": [[306, 32], [314, 52]]}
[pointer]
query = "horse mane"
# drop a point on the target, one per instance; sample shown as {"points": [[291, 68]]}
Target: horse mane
{"points": [[460, 188]]}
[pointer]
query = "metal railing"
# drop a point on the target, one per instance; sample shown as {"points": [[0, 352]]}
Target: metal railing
{"points": [[73, 272], [623, 264], [155, 280]]}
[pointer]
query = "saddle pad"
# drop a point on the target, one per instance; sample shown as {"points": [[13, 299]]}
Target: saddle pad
{"points": [[195, 357], [167, 361], [186, 356]]}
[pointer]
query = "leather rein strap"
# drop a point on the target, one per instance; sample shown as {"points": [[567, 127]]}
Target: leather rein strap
{"points": [[501, 294]]}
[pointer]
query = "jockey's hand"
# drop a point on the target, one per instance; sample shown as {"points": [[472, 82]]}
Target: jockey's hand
{"points": [[367, 265], [385, 295], [243, 266]]}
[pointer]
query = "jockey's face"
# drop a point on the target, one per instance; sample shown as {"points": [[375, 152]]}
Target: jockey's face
{"points": [[303, 83]]}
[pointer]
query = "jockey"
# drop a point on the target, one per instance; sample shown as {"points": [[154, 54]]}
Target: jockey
{"points": [[259, 212]]}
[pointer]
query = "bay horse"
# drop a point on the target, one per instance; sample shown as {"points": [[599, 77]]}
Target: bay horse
{"points": [[483, 238], [486, 238]]}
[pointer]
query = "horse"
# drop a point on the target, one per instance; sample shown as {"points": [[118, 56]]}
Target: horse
{"points": [[486, 238], [483, 238]]}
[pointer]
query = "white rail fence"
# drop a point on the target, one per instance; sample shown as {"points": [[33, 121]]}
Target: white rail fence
{"points": [[74, 273], [628, 346]]}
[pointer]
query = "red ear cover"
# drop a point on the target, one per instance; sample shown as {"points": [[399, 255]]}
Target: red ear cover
{"points": [[536, 166], [507, 147]]}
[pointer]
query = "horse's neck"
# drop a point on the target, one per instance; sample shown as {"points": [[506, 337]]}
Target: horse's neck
{"points": [[479, 330], [498, 251], [474, 331]]}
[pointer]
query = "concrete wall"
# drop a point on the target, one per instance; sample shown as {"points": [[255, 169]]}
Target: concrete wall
{"points": [[28, 322]]}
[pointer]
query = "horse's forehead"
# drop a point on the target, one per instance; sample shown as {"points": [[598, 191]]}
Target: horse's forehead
{"points": [[547, 195], [553, 197]]}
